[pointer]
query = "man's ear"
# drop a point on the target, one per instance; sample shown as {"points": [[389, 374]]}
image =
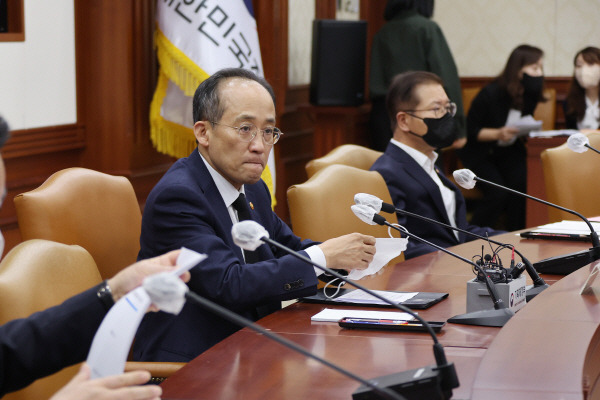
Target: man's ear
{"points": [[401, 121], [202, 130]]}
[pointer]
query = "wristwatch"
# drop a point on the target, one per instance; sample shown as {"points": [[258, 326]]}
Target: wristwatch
{"points": [[105, 295]]}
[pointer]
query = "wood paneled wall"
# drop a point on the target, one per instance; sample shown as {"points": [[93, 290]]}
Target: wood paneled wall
{"points": [[116, 73]]}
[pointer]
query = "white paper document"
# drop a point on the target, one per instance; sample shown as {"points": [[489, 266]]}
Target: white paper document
{"points": [[568, 227], [525, 125], [559, 132], [334, 315], [114, 337], [385, 250], [361, 297]]}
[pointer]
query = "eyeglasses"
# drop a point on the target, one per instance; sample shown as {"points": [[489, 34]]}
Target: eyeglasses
{"points": [[439, 112], [247, 132]]}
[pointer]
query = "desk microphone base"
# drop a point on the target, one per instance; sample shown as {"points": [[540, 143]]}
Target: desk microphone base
{"points": [[420, 383], [484, 317], [533, 291], [564, 265]]}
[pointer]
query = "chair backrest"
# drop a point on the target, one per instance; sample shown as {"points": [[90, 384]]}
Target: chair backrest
{"points": [[546, 111], [347, 154], [320, 207], [572, 180], [468, 94], [38, 274], [97, 211]]}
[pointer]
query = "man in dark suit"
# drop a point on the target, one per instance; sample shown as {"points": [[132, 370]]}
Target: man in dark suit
{"points": [[422, 117], [195, 205]]}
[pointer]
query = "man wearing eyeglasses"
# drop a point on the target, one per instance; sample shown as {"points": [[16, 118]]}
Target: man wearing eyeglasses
{"points": [[422, 118], [201, 196]]}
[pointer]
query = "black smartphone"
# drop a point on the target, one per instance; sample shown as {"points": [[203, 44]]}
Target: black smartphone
{"points": [[389, 324]]}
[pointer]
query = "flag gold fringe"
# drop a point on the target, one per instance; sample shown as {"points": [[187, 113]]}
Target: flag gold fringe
{"points": [[178, 67], [168, 137]]}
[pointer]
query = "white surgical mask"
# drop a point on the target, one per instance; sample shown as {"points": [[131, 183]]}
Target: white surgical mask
{"points": [[588, 76]]}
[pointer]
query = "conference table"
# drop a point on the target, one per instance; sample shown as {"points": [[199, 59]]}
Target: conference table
{"points": [[546, 351]]}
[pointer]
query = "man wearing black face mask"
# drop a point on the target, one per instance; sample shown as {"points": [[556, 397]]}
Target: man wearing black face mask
{"points": [[422, 121]]}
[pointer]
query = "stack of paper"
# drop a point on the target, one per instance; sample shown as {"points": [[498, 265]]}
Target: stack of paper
{"points": [[334, 315]]}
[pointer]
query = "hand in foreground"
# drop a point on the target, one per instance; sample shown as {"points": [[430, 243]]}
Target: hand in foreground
{"points": [[353, 251], [133, 276], [117, 387]]}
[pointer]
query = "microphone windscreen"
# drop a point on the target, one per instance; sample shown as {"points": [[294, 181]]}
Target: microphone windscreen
{"points": [[364, 213], [248, 234], [365, 199], [577, 142], [465, 178], [166, 291]]}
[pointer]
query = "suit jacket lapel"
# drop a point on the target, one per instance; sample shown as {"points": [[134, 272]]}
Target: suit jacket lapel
{"points": [[419, 175], [206, 183]]}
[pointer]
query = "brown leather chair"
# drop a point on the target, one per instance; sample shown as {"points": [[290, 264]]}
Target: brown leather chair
{"points": [[97, 211], [572, 180], [468, 94], [546, 111], [346, 154], [320, 207], [38, 274]]}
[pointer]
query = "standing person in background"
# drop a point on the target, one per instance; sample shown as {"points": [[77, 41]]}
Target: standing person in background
{"points": [[582, 108], [493, 150], [410, 41]]}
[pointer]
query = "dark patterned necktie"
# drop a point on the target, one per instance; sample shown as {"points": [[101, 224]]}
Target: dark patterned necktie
{"points": [[243, 211]]}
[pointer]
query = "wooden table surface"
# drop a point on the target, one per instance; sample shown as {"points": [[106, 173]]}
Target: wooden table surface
{"points": [[247, 365]]}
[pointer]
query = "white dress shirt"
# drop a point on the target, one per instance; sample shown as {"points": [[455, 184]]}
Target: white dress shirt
{"points": [[591, 117], [229, 194]]}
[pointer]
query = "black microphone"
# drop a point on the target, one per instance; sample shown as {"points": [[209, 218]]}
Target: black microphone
{"points": [[437, 381], [378, 205], [562, 265], [496, 317], [579, 143]]}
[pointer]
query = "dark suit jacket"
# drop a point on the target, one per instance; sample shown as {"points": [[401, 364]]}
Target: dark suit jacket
{"points": [[186, 209], [48, 341], [412, 189]]}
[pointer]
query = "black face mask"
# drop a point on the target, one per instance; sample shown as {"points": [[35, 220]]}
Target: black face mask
{"points": [[441, 132], [532, 92], [532, 85]]}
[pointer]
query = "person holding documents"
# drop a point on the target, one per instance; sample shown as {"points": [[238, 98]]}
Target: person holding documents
{"points": [[195, 205], [60, 336], [497, 123], [423, 120]]}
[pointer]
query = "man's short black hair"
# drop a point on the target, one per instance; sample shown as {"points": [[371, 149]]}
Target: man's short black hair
{"points": [[401, 94], [207, 105]]}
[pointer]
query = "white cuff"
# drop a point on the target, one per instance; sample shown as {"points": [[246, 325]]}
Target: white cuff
{"points": [[316, 254]]}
